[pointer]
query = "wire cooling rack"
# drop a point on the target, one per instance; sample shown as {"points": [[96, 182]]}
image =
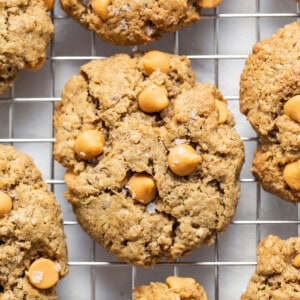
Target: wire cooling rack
{"points": [[217, 46]]}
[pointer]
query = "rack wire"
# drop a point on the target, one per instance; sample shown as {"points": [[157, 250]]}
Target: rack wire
{"points": [[217, 47]]}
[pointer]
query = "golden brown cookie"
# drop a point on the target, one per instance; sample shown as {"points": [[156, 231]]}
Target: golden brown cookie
{"points": [[26, 31], [135, 22], [149, 184], [33, 255], [277, 275], [270, 98], [175, 288]]}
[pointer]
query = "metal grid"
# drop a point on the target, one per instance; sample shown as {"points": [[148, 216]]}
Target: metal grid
{"points": [[217, 47]]}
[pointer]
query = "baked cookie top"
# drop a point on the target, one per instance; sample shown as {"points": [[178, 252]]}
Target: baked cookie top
{"points": [[133, 22], [277, 274], [270, 98], [278, 171], [33, 249], [26, 31], [270, 78], [147, 184], [175, 288]]}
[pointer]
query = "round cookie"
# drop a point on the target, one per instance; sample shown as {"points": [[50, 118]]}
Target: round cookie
{"points": [[26, 31], [134, 22], [33, 249], [174, 288], [128, 197], [277, 274], [269, 97]]}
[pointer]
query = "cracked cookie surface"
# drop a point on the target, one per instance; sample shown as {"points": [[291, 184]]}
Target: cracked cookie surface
{"points": [[276, 275], [26, 30], [186, 211], [269, 81], [29, 230], [134, 22]]}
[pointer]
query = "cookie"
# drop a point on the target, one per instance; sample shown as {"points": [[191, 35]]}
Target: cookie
{"points": [[134, 22], [32, 242], [26, 31], [153, 158], [182, 288], [270, 98], [277, 273]]}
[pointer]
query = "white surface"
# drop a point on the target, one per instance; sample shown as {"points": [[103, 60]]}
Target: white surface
{"points": [[224, 268]]}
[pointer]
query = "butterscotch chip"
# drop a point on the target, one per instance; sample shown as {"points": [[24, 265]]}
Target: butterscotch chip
{"points": [[43, 273], [183, 159], [174, 288], [292, 108], [89, 144], [153, 98], [5, 204], [128, 198], [222, 110], [33, 248], [179, 283], [291, 175], [26, 31], [209, 3], [297, 261], [134, 22], [156, 61], [276, 276], [142, 187], [49, 4], [269, 97], [100, 7]]}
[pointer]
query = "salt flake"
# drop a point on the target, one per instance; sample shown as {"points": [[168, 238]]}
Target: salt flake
{"points": [[193, 113], [149, 31], [13, 194], [126, 8], [123, 25], [58, 267], [83, 154], [37, 276], [178, 142], [151, 208]]}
